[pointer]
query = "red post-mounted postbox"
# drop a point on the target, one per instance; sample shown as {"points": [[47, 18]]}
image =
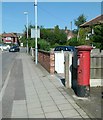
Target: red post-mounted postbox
{"points": [[83, 71]]}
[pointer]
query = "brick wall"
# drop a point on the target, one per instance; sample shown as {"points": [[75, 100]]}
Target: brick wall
{"points": [[47, 60]]}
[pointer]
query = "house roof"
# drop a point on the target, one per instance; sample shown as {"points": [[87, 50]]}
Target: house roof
{"points": [[9, 35], [97, 20], [70, 33]]}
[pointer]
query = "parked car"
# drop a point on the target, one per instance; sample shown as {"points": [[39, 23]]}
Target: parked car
{"points": [[8, 46], [14, 49], [0, 46], [64, 48], [4, 47]]}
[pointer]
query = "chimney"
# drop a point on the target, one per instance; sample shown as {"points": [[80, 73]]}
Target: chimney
{"points": [[66, 30]]}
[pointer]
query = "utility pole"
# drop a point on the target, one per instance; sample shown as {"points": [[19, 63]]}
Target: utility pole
{"points": [[26, 13], [36, 47], [71, 25]]}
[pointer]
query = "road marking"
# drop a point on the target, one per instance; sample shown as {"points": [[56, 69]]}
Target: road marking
{"points": [[4, 87]]}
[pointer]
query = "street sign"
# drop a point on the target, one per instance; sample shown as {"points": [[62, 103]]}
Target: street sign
{"points": [[33, 33], [21, 44]]}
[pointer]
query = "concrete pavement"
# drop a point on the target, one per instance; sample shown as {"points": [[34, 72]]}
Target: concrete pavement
{"points": [[40, 95]]}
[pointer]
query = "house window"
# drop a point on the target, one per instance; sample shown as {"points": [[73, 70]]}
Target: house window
{"points": [[92, 31], [8, 38], [88, 36]]}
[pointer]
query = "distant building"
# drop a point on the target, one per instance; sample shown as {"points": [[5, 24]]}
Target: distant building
{"points": [[96, 21], [93, 22], [69, 33], [10, 38]]}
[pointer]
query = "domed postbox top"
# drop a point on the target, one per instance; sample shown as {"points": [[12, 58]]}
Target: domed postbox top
{"points": [[84, 48]]}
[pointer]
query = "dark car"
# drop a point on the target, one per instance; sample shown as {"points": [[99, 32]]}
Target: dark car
{"points": [[64, 48], [14, 49]]}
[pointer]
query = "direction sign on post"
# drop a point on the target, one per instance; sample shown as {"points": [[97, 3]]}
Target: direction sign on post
{"points": [[33, 33]]}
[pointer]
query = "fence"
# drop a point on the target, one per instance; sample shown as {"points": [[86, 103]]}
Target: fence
{"points": [[96, 67]]}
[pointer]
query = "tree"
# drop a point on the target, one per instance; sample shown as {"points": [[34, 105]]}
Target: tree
{"points": [[60, 36], [73, 42], [31, 42], [56, 29], [97, 38], [80, 20], [83, 32], [54, 36], [43, 44]]}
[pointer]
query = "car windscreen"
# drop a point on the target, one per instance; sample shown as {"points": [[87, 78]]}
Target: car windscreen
{"points": [[64, 48]]}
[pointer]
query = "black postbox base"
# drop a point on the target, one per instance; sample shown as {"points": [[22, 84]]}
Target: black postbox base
{"points": [[83, 91]]}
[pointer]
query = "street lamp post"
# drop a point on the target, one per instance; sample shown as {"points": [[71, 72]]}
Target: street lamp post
{"points": [[36, 47], [26, 13]]}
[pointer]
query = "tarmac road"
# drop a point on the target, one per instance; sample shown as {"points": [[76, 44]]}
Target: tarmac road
{"points": [[0, 70], [10, 63], [14, 90], [7, 62]]}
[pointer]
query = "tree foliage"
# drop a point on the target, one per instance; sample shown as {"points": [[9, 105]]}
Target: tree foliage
{"points": [[49, 37], [97, 37], [73, 42], [80, 20], [54, 36], [31, 42], [83, 32], [43, 44]]}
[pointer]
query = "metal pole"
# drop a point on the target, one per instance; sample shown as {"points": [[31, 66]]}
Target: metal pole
{"points": [[71, 25], [66, 56], [27, 32], [26, 13], [36, 48]]}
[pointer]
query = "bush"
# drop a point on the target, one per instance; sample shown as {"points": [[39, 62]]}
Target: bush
{"points": [[43, 45], [31, 43], [73, 42], [24, 41], [56, 44]]}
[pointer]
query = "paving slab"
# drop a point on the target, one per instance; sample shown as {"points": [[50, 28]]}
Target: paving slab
{"points": [[55, 114], [35, 111], [66, 106], [52, 108], [33, 105], [70, 113], [37, 116], [19, 109]]}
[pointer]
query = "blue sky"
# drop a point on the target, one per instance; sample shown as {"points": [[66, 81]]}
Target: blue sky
{"points": [[49, 14]]}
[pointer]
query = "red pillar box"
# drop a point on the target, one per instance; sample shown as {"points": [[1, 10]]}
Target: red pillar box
{"points": [[83, 71]]}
